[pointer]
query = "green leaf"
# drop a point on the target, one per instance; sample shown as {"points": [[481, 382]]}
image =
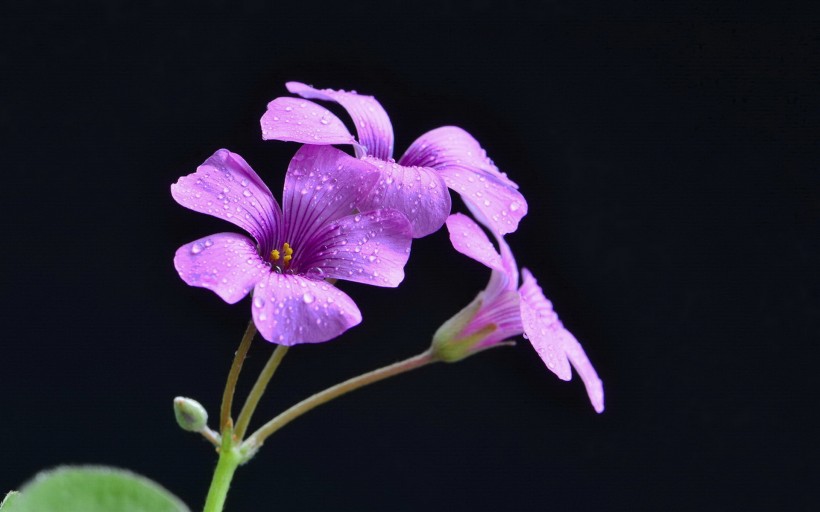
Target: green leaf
{"points": [[94, 489], [11, 498]]}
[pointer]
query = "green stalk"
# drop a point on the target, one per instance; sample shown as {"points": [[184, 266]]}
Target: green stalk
{"points": [[256, 439]]}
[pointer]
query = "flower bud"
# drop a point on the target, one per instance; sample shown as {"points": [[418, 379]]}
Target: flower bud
{"points": [[451, 343], [190, 414]]}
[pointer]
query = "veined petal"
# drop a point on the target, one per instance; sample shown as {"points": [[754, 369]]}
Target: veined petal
{"points": [[225, 186], [372, 123], [370, 247], [542, 327], [489, 193], [507, 278], [452, 147], [298, 120], [226, 263], [470, 240], [417, 192], [322, 185], [501, 310], [494, 204], [290, 309]]}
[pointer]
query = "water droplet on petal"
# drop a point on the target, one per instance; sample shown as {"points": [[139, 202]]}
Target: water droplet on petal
{"points": [[246, 193], [196, 248], [307, 298], [258, 302]]}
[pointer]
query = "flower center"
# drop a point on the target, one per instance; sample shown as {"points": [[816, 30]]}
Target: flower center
{"points": [[281, 259]]}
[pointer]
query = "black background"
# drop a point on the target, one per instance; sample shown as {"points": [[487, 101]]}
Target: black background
{"points": [[669, 156]]}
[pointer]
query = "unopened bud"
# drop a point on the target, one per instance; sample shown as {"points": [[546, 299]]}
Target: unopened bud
{"points": [[190, 414]]}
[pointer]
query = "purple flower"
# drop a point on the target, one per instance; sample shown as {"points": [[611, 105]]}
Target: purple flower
{"points": [[294, 250], [413, 185], [504, 310]]}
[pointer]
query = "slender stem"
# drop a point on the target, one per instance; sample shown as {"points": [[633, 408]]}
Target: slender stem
{"points": [[229, 460], [256, 439], [230, 386], [258, 390], [211, 436]]}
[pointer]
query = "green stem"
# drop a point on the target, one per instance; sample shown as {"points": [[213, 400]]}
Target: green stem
{"points": [[225, 420], [256, 439], [229, 460], [258, 390]]}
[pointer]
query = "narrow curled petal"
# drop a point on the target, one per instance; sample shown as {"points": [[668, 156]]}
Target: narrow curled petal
{"points": [[370, 247], [489, 193], [581, 363], [372, 123], [556, 346], [226, 263], [290, 309], [417, 192], [298, 120], [470, 240], [507, 278], [225, 186], [322, 185], [542, 327]]}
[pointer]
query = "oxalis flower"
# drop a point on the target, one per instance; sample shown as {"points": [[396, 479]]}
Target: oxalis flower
{"points": [[504, 310], [413, 185], [292, 251]]}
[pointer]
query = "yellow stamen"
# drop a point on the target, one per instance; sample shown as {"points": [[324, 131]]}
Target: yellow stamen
{"points": [[274, 255], [288, 253]]}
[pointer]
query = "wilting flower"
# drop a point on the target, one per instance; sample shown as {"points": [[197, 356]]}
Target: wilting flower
{"points": [[446, 155], [292, 251], [504, 310]]}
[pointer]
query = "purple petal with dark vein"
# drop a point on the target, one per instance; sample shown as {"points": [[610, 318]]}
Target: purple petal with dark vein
{"points": [[298, 120], [370, 247], [226, 187], [322, 185], [452, 147], [489, 193], [495, 205], [226, 263], [542, 327], [290, 309], [372, 123], [470, 240], [417, 192], [502, 310]]}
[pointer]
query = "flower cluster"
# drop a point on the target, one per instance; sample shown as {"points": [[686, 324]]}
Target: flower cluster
{"points": [[353, 218]]}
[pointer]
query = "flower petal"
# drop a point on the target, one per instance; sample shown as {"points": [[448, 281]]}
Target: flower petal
{"points": [[501, 309], [298, 120], [417, 192], [470, 240], [372, 123], [226, 263], [225, 186], [370, 247], [489, 193], [323, 184], [556, 345], [581, 363], [290, 309], [542, 327]]}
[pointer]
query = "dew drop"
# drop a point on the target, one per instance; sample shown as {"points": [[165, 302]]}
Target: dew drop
{"points": [[258, 302], [514, 206], [246, 193], [196, 248], [307, 298]]}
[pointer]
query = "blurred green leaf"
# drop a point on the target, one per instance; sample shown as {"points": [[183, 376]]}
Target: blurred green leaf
{"points": [[94, 489]]}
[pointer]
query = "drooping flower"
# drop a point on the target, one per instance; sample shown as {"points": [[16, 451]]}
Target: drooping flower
{"points": [[446, 155], [292, 251], [504, 310]]}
